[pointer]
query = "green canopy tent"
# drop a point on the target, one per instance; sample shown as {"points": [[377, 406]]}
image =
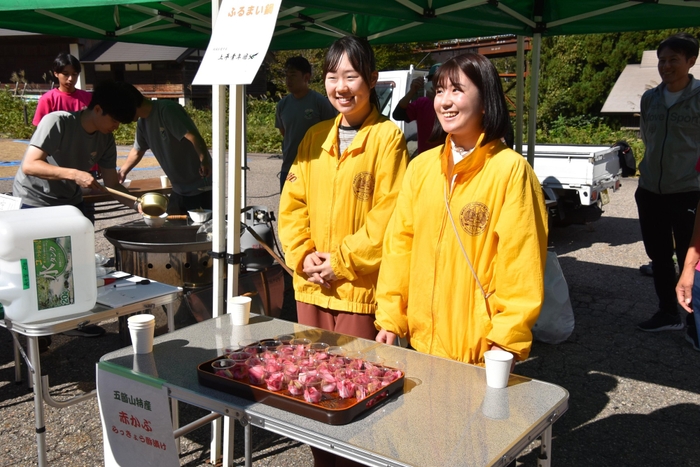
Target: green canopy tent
{"points": [[303, 24], [316, 23]]}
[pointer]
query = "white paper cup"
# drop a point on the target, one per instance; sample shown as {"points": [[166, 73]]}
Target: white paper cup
{"points": [[497, 368], [239, 309], [141, 329], [164, 181]]}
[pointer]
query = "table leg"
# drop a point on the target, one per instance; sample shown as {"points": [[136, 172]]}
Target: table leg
{"points": [[18, 361], [227, 460], [248, 439], [171, 317], [174, 408], [175, 414], [265, 296], [545, 457], [215, 445], [124, 336], [33, 347]]}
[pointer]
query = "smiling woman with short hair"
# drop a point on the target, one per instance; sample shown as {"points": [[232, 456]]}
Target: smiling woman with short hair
{"points": [[463, 263]]}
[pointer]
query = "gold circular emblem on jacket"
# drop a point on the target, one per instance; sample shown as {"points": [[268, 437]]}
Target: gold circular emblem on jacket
{"points": [[363, 185], [474, 217]]}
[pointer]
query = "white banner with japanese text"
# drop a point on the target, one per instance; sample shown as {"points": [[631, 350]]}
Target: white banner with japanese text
{"points": [[135, 414], [239, 42]]}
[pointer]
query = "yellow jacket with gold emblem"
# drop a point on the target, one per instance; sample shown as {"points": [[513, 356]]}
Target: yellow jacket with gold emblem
{"points": [[426, 288], [341, 204]]}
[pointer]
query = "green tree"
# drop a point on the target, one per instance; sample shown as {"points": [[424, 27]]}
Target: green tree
{"points": [[578, 72], [401, 56], [276, 62], [387, 57], [13, 111]]}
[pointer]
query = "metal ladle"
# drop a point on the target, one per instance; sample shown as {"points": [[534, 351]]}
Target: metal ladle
{"points": [[152, 203]]}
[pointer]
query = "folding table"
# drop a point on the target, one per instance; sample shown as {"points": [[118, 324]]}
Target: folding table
{"points": [[446, 415], [141, 298]]}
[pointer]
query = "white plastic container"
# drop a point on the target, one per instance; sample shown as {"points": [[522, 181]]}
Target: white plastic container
{"points": [[47, 263]]}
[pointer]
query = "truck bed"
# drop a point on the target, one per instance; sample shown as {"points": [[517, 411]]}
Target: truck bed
{"points": [[574, 166]]}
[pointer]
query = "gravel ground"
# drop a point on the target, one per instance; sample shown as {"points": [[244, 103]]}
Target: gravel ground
{"points": [[633, 395]]}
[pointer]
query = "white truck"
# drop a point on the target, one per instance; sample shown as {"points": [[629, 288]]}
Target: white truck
{"points": [[391, 87], [577, 179]]}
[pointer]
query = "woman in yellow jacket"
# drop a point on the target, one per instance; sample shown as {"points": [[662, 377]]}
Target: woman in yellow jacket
{"points": [[464, 253], [339, 196]]}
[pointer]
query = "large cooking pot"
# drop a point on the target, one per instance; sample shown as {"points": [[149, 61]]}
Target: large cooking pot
{"points": [[174, 254]]}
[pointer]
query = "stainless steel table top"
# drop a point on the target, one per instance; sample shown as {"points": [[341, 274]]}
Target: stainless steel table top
{"points": [[445, 416]]}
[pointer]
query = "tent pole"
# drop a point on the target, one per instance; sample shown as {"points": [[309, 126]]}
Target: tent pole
{"points": [[218, 225], [236, 115], [244, 154], [519, 94], [218, 244], [219, 188], [534, 89]]}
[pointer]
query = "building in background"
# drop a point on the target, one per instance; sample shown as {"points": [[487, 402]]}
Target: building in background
{"points": [[158, 71]]}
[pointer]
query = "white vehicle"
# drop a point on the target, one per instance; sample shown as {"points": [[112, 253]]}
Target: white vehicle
{"points": [[576, 179], [391, 87]]}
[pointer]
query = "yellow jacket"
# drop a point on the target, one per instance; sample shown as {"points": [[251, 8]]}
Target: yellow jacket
{"points": [[342, 204], [426, 289]]}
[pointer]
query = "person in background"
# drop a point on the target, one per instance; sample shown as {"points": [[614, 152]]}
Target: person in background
{"points": [[165, 128], [63, 149], [66, 68], [669, 186], [298, 111], [337, 200], [464, 253], [421, 110], [66, 144]]}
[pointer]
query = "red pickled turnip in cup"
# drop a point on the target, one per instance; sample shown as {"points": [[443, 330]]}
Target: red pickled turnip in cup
{"points": [[275, 381], [312, 391], [295, 387], [320, 350], [300, 346], [222, 367], [328, 382], [346, 389], [394, 370], [256, 370]]}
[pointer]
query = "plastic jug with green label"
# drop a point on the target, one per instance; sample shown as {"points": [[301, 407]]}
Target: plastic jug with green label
{"points": [[47, 263]]}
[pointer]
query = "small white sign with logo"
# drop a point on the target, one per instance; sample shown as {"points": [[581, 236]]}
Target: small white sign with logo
{"points": [[135, 414], [239, 42]]}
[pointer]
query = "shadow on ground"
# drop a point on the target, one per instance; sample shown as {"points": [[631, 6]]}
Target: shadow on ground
{"points": [[649, 374]]}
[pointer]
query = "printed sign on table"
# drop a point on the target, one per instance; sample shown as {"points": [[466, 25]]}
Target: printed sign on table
{"points": [[239, 42], [135, 414], [9, 203]]}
